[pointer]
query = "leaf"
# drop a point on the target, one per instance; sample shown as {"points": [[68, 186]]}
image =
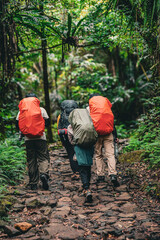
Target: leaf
{"points": [[77, 26], [69, 24]]}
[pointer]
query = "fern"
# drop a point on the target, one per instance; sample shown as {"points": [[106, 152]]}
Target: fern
{"points": [[12, 161]]}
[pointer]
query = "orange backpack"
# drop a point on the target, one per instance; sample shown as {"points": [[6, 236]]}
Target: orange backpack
{"points": [[101, 114], [31, 122]]}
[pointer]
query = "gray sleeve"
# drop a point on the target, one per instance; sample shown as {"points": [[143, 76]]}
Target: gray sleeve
{"points": [[44, 113]]}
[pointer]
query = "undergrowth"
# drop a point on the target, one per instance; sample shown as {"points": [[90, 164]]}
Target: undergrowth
{"points": [[12, 162], [147, 136]]}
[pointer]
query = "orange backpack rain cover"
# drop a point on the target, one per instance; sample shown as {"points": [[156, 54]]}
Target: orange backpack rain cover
{"points": [[101, 114], [31, 122]]}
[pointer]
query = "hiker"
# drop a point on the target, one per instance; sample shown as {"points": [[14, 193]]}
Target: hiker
{"points": [[82, 135], [103, 121], [31, 121], [67, 106]]}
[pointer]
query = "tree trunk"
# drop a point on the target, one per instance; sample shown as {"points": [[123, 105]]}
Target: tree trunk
{"points": [[119, 68], [56, 80], [46, 87], [19, 90], [45, 78]]}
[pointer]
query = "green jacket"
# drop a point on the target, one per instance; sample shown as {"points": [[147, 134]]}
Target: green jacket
{"points": [[84, 155]]}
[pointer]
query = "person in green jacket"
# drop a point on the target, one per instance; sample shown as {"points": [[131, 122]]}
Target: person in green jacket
{"points": [[84, 158]]}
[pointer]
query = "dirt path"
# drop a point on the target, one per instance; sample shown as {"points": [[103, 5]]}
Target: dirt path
{"points": [[61, 213]]}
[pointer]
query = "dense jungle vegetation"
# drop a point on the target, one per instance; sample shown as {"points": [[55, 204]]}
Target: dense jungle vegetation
{"points": [[67, 49]]}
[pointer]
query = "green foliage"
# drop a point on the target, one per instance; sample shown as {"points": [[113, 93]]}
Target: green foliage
{"points": [[147, 136], [122, 131], [12, 161], [7, 116], [153, 189], [55, 133]]}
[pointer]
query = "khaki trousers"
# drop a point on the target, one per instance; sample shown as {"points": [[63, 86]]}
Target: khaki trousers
{"points": [[38, 159], [107, 142]]}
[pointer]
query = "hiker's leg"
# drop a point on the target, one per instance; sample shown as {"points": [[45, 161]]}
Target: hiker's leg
{"points": [[83, 171], [70, 150], [42, 157], [88, 173], [32, 162], [99, 157], [109, 152]]}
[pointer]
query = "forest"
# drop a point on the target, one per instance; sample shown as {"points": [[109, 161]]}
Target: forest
{"points": [[69, 49]]}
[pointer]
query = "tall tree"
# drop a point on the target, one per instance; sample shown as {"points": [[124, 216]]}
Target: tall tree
{"points": [[45, 77]]}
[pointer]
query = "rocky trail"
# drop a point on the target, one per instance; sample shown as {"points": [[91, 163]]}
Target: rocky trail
{"points": [[60, 213]]}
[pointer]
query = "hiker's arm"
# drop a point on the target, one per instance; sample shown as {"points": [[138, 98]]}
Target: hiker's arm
{"points": [[70, 134], [46, 117], [17, 121]]}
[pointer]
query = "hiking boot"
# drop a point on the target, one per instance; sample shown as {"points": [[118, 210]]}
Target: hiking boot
{"points": [[114, 180], [88, 195], [33, 186], [44, 180], [100, 179]]}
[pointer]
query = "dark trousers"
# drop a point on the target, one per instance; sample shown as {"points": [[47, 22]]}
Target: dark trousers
{"points": [[85, 174], [70, 151], [38, 159]]}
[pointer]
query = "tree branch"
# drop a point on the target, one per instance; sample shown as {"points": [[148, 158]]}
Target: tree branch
{"points": [[37, 49], [40, 49]]}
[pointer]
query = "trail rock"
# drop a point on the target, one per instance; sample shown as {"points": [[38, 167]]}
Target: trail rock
{"points": [[121, 188], [79, 200], [52, 203], [95, 216], [81, 216], [11, 231], [111, 220], [61, 212], [121, 225], [123, 197], [23, 226], [64, 232], [33, 202], [128, 208], [106, 199], [18, 207], [46, 210], [42, 219], [111, 231], [70, 186], [141, 216]]}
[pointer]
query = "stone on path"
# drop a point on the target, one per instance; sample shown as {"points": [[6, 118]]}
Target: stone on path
{"points": [[23, 226], [123, 197], [11, 231], [63, 232]]}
